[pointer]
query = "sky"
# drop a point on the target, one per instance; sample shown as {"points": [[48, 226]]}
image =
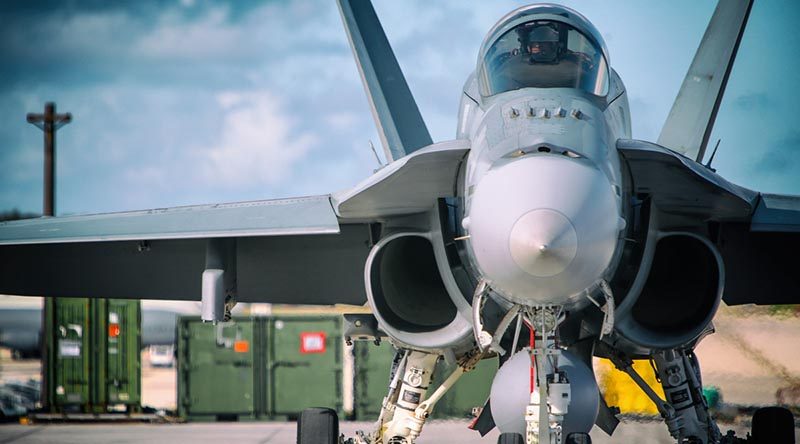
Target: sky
{"points": [[182, 102]]}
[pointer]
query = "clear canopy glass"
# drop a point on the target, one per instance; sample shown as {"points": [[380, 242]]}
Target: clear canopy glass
{"points": [[543, 54]]}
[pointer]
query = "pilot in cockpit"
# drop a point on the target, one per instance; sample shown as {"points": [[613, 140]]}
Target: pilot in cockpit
{"points": [[543, 54], [542, 43], [545, 44]]}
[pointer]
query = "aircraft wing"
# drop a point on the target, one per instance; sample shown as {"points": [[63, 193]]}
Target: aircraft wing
{"points": [[759, 253], [286, 251], [308, 250], [692, 116], [679, 185], [406, 186], [777, 213], [756, 234], [306, 215]]}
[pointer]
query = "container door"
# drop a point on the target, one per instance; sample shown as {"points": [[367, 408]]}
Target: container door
{"points": [[71, 337], [216, 368], [470, 391], [373, 363], [305, 366], [121, 328]]}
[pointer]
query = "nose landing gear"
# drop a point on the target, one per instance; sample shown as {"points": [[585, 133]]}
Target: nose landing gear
{"points": [[318, 426]]}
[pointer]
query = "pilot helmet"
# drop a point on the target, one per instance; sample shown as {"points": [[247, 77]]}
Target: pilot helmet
{"points": [[543, 43]]}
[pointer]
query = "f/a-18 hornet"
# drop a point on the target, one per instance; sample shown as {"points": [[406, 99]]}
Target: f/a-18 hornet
{"points": [[542, 234]]}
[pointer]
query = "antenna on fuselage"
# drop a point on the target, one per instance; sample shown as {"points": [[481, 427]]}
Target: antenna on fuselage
{"points": [[711, 159], [378, 158]]}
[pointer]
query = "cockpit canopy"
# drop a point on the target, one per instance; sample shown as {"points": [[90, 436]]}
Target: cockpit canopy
{"points": [[543, 53]]}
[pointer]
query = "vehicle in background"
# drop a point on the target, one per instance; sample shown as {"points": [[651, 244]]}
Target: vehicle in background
{"points": [[161, 355]]}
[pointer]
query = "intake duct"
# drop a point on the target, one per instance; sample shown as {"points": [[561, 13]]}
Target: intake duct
{"points": [[408, 294], [675, 294]]}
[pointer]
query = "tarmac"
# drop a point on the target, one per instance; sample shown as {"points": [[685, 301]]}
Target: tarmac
{"points": [[650, 432], [750, 358]]}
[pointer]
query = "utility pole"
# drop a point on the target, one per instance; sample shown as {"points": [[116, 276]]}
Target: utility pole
{"points": [[49, 123]]}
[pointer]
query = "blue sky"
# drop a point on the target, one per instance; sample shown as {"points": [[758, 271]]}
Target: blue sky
{"points": [[190, 102]]}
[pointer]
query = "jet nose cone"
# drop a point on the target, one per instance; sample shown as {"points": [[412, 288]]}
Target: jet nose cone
{"points": [[543, 242], [543, 228]]}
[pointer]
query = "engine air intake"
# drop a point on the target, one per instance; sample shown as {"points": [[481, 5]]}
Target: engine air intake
{"points": [[680, 296], [407, 288]]}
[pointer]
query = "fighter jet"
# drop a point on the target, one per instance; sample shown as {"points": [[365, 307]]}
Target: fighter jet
{"points": [[542, 234]]}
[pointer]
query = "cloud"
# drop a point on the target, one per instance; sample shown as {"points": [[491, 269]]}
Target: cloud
{"points": [[154, 44], [182, 102], [781, 157], [257, 142], [209, 36], [47, 44], [175, 107], [341, 121], [752, 101], [149, 174]]}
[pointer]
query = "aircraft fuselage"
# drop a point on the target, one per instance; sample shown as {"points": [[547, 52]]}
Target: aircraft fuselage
{"points": [[543, 192]]}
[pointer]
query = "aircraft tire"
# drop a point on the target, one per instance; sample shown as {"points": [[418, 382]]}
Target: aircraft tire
{"points": [[579, 438], [773, 425], [318, 425], [510, 438]]}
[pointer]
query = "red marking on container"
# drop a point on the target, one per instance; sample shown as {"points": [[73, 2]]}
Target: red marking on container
{"points": [[312, 342], [241, 346]]}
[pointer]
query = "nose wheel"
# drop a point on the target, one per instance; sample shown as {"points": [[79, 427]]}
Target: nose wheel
{"points": [[774, 425], [516, 438], [579, 438], [318, 426], [510, 438]]}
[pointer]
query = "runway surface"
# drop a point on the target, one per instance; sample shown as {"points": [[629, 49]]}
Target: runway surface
{"points": [[748, 359], [279, 433]]}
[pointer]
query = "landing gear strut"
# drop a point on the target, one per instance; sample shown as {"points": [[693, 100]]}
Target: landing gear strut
{"points": [[685, 410], [551, 394]]}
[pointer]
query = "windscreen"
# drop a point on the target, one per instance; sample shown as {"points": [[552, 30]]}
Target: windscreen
{"points": [[543, 54]]}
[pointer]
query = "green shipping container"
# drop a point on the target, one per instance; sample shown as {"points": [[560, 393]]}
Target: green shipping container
{"points": [[91, 355], [470, 391], [217, 375], [67, 342], [258, 368], [372, 366], [371, 378], [305, 364], [117, 346]]}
